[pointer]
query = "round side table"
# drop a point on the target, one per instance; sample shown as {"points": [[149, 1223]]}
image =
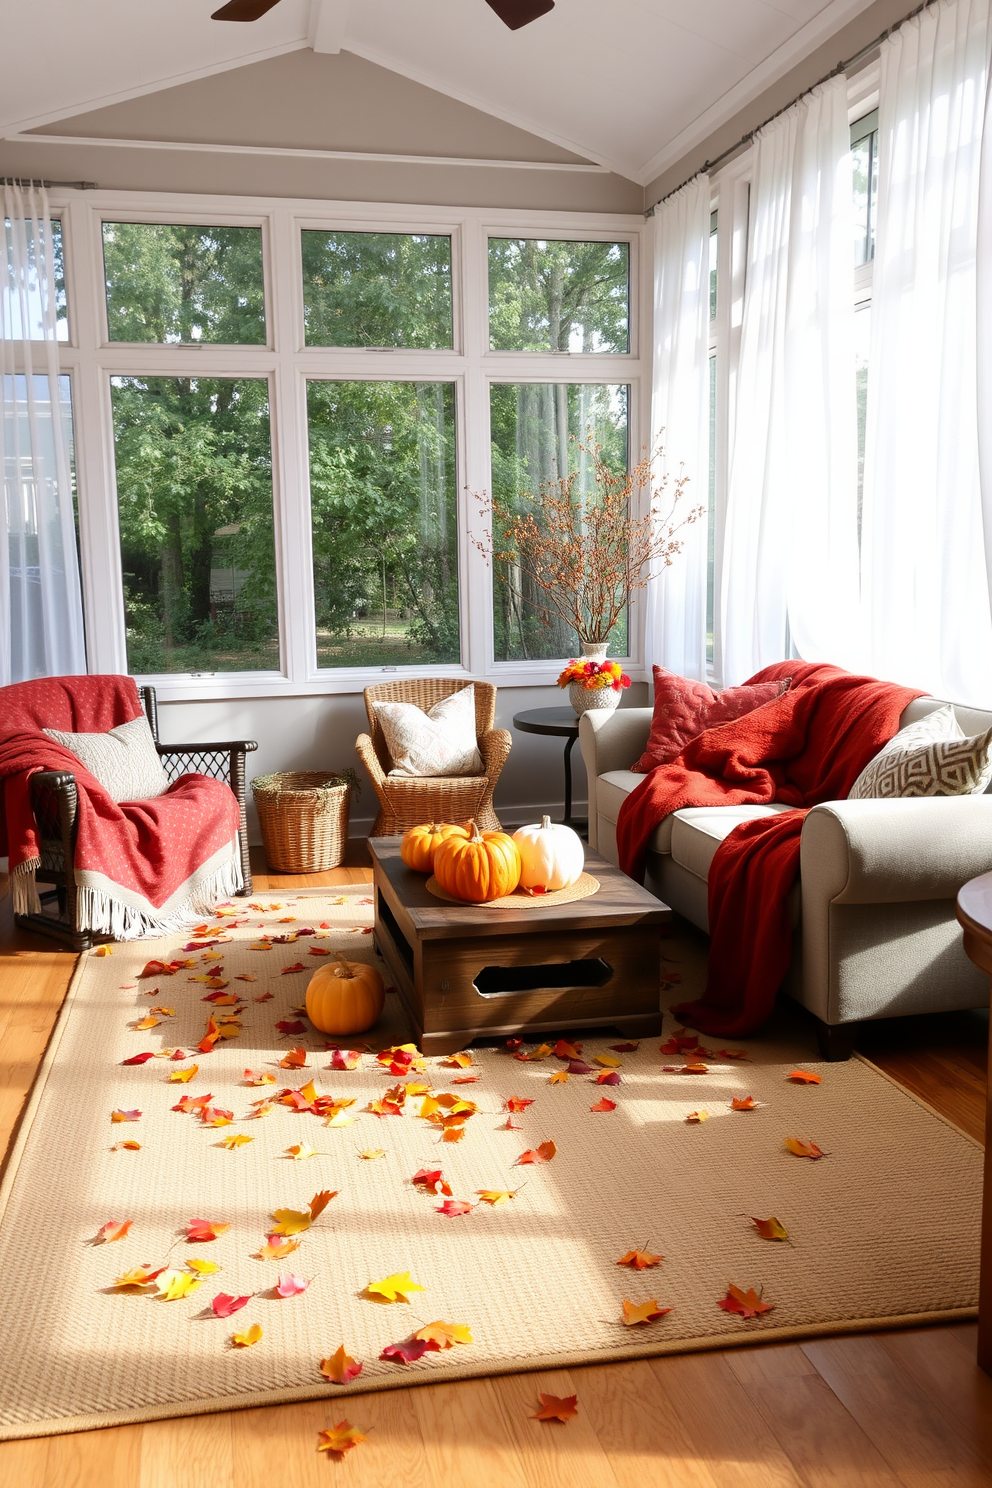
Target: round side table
{"points": [[563, 723]]}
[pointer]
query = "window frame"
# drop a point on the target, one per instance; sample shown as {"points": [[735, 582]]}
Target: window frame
{"points": [[91, 359]]}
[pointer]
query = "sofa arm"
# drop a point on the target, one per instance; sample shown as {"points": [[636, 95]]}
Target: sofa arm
{"points": [[894, 851], [610, 741]]}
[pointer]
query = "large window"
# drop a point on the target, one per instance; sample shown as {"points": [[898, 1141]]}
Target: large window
{"points": [[543, 432], [284, 416], [385, 522], [194, 501], [22, 319], [377, 289]]}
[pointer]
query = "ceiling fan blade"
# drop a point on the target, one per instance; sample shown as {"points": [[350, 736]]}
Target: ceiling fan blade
{"points": [[517, 13], [243, 10]]}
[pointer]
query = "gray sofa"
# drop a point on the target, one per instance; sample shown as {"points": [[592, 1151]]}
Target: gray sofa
{"points": [[875, 934]]}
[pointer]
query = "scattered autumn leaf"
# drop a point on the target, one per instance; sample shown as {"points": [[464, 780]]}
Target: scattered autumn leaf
{"points": [[803, 1149], [395, 1288], [743, 1103], [118, 1116], [173, 1285], [578, 1067], [458, 1061], [696, 1118], [564, 1049], [340, 1439], [371, 1153], [639, 1260], [140, 1276], [126, 1147], [556, 1408], [301, 1150], [345, 1059], [560, 1077], [642, 1312], [445, 1335], [340, 1368], [259, 1077], [604, 1104], [770, 1229], [114, 1229], [804, 1077], [541, 1052], [183, 1076], [542, 1154], [408, 1351], [224, 1304], [455, 1206], [609, 1060], [233, 1140], [517, 1103], [748, 1304], [495, 1196], [201, 1268], [733, 1054], [276, 1248], [295, 1059], [697, 1068], [139, 1058], [202, 1230], [250, 1336], [320, 1201], [630, 1048], [608, 1077], [289, 1285]]}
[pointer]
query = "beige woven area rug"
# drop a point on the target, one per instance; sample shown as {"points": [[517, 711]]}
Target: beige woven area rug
{"points": [[883, 1230]]}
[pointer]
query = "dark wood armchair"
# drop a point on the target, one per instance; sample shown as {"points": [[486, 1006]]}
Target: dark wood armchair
{"points": [[54, 799]]}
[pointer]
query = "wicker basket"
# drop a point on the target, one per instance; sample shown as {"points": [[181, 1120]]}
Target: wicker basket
{"points": [[304, 819]]}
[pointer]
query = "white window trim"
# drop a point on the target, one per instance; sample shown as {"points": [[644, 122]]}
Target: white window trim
{"points": [[90, 359]]}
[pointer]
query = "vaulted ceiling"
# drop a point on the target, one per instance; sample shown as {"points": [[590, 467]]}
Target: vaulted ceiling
{"points": [[630, 84]]}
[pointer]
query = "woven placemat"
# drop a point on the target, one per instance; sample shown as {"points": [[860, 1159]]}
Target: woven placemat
{"points": [[583, 887]]}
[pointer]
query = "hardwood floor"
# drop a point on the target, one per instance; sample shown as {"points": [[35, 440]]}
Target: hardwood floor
{"points": [[870, 1411]]}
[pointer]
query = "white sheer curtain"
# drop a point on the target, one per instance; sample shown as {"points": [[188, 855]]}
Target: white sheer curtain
{"points": [[984, 322], [675, 603], [790, 556], [924, 576], [41, 615]]}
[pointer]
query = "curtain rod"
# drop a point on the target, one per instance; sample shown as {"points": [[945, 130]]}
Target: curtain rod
{"points": [[745, 139], [49, 185]]}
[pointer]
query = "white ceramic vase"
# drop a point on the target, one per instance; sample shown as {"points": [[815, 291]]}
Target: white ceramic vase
{"points": [[585, 699]]}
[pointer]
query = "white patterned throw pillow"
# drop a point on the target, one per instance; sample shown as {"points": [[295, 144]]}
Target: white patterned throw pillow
{"points": [[124, 760], [441, 742], [928, 758]]}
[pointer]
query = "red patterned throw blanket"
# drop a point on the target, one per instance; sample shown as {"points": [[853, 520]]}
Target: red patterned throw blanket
{"points": [[805, 747], [142, 867]]}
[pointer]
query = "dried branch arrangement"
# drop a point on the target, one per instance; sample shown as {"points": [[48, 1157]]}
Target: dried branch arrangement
{"points": [[586, 554]]}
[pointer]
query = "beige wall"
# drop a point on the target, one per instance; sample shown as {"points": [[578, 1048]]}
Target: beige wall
{"points": [[308, 102], [845, 43]]}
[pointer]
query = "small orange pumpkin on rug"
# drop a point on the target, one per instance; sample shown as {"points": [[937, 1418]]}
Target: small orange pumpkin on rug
{"points": [[346, 998]]}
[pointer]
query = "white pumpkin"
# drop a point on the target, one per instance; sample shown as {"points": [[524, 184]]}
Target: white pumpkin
{"points": [[552, 856]]}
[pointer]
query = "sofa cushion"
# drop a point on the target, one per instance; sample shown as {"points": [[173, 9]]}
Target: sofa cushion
{"points": [[697, 831], [612, 789], [684, 709]]}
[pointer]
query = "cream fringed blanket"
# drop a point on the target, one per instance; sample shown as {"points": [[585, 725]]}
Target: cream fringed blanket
{"points": [[882, 1230]]}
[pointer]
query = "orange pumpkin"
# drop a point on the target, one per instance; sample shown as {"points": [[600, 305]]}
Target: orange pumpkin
{"points": [[478, 868], [421, 843], [346, 998]]}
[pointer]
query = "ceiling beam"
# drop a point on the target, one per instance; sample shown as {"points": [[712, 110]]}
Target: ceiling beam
{"points": [[328, 24]]}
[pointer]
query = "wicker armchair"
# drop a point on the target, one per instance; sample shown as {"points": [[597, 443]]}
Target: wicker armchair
{"points": [[54, 800], [405, 801]]}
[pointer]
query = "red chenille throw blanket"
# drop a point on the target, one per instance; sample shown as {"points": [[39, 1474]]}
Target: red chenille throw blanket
{"points": [[141, 867], [807, 746]]}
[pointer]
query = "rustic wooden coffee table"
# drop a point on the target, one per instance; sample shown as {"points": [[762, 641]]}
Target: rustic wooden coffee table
{"points": [[465, 971]]}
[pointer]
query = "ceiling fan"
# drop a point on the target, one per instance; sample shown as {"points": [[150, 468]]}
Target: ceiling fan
{"points": [[513, 13]]}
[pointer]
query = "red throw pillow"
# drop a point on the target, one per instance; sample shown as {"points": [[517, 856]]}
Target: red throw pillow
{"points": [[683, 709]]}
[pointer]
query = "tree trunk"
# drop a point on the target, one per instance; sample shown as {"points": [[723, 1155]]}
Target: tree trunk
{"points": [[172, 579]]}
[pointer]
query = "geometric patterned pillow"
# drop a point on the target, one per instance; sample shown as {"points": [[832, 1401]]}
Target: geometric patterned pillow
{"points": [[953, 766], [125, 760]]}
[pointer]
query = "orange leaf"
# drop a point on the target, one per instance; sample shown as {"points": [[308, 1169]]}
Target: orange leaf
{"points": [[148, 1022], [320, 1201], [340, 1368], [118, 1116], [804, 1077], [556, 1408], [276, 1248], [458, 1061], [541, 1154], [183, 1076], [560, 1077], [639, 1260], [199, 1230], [566, 1050], [114, 1229], [127, 1146], [518, 1103], [743, 1103], [340, 1439], [604, 1105], [803, 1149], [642, 1312], [695, 1118], [748, 1304], [453, 1134], [770, 1229], [445, 1335], [695, 1069], [295, 1059]]}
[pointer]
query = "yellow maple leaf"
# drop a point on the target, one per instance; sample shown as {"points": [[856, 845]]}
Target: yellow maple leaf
{"points": [[695, 1117], [496, 1196], [445, 1334], [395, 1288], [248, 1337], [458, 1061], [610, 1060], [202, 1268], [175, 1284], [371, 1153], [300, 1150], [183, 1076], [340, 1119], [233, 1140], [428, 1107], [148, 1022], [291, 1221], [560, 1077], [140, 1276], [340, 1439], [308, 1091]]}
